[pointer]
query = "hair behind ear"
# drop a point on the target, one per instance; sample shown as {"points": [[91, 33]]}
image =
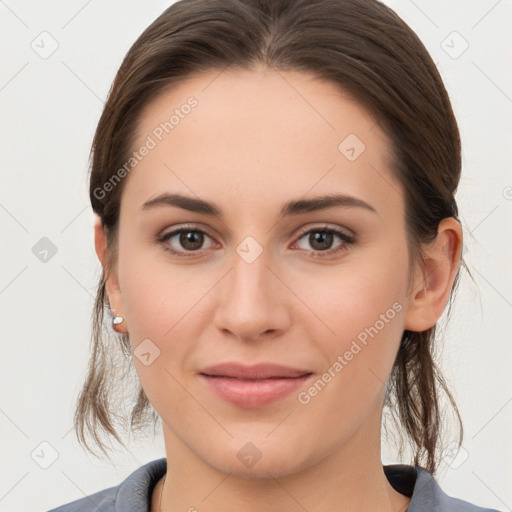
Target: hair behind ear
{"points": [[413, 397]]}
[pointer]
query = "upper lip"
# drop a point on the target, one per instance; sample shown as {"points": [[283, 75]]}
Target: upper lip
{"points": [[258, 371]]}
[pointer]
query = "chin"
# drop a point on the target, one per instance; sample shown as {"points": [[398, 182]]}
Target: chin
{"points": [[260, 459]]}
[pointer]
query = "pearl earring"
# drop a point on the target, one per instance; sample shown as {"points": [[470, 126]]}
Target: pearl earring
{"points": [[116, 323]]}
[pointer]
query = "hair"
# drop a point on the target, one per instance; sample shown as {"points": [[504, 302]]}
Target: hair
{"points": [[364, 47]]}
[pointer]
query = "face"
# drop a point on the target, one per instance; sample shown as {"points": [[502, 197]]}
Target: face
{"points": [[264, 273]]}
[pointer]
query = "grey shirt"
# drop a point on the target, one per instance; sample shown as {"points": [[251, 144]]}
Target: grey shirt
{"points": [[134, 493]]}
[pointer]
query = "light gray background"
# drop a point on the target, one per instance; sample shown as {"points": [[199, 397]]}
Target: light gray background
{"points": [[50, 107]]}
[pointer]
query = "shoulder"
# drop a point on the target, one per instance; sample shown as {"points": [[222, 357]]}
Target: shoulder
{"points": [[426, 494], [131, 495], [104, 500]]}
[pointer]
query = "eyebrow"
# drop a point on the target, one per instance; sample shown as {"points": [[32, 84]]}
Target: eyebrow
{"points": [[293, 207]]}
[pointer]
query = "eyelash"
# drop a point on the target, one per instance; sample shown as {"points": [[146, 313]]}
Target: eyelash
{"points": [[346, 239]]}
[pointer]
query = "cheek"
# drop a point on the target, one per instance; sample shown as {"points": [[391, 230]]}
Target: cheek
{"points": [[350, 388], [165, 309], [157, 295], [363, 304], [359, 296]]}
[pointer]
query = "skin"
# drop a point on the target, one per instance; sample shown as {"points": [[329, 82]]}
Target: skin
{"points": [[256, 140]]}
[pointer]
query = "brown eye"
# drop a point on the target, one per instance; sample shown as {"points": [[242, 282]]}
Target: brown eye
{"points": [[185, 241], [323, 241]]}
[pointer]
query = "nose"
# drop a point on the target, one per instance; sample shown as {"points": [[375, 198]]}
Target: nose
{"points": [[252, 303]]}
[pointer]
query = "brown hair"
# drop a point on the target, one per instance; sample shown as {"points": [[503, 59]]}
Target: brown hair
{"points": [[365, 48]]}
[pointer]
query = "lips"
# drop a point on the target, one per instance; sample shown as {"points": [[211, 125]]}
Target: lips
{"points": [[259, 371], [253, 386]]}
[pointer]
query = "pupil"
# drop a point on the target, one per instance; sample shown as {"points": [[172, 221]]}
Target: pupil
{"points": [[191, 240]]}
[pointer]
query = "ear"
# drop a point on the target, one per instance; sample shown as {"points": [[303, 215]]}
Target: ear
{"points": [[431, 290], [112, 284]]}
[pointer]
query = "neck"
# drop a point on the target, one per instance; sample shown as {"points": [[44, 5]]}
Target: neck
{"points": [[350, 478]]}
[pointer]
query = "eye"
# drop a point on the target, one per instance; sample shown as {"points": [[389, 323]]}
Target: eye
{"points": [[185, 240], [321, 240], [189, 241]]}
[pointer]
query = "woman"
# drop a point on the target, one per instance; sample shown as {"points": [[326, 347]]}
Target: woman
{"points": [[274, 188]]}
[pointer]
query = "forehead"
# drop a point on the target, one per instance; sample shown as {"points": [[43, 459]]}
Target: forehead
{"points": [[257, 135]]}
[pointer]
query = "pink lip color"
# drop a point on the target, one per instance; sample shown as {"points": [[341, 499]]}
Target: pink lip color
{"points": [[253, 393]]}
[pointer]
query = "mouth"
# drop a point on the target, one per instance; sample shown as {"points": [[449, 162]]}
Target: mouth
{"points": [[253, 386]]}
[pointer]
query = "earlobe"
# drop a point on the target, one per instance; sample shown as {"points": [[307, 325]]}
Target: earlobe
{"points": [[432, 288], [111, 283]]}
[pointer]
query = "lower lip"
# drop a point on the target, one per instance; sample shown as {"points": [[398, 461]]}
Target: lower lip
{"points": [[253, 393]]}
